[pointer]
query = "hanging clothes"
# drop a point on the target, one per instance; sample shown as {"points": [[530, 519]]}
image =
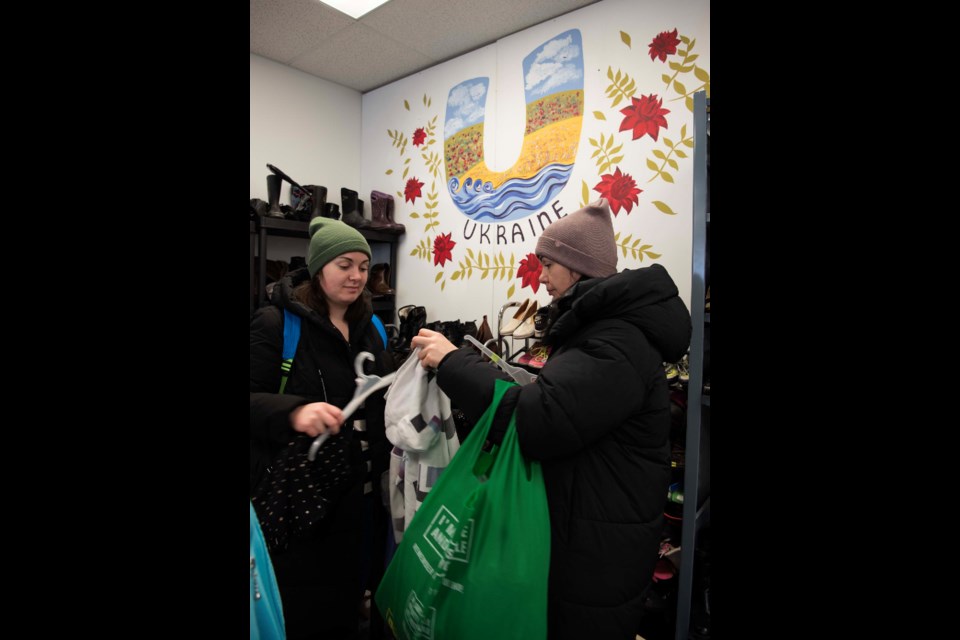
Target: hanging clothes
{"points": [[419, 423]]}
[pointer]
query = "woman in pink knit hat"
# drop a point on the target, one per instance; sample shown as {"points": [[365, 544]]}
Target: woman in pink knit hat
{"points": [[597, 418]]}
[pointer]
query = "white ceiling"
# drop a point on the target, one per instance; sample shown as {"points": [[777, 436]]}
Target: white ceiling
{"points": [[391, 42]]}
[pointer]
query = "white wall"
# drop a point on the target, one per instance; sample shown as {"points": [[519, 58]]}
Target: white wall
{"points": [[322, 133], [415, 101], [308, 128]]}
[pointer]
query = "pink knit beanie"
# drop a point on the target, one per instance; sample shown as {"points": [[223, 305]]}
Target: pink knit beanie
{"points": [[582, 241]]}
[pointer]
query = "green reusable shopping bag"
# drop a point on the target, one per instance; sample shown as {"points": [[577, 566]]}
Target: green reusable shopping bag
{"points": [[474, 561]]}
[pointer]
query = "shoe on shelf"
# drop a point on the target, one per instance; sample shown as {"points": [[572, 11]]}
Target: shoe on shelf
{"points": [[331, 210], [706, 306], [683, 367], [706, 388], [678, 458], [526, 357], [526, 328], [539, 354], [378, 282], [355, 218], [671, 553], [484, 333], [274, 183], [540, 320], [664, 570], [672, 372], [381, 210], [536, 356], [514, 322]]}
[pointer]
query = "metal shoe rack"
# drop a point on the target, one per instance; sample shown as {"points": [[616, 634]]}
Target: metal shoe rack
{"points": [[696, 481], [505, 349]]}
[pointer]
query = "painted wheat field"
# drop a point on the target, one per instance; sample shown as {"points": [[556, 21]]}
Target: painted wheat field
{"points": [[552, 136]]}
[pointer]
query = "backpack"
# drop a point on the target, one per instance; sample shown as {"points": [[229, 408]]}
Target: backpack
{"points": [[291, 337]]}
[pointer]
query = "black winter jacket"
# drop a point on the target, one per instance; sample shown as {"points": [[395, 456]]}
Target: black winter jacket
{"points": [[323, 370], [598, 420]]}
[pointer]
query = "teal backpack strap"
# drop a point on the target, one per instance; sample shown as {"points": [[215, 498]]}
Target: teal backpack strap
{"points": [[291, 336], [378, 323]]}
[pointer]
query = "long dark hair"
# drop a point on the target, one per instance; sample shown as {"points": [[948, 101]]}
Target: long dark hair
{"points": [[311, 295]]}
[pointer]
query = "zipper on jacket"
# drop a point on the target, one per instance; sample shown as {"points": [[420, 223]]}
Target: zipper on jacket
{"points": [[322, 385]]}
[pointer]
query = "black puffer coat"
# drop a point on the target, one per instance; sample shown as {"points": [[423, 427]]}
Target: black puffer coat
{"points": [[323, 370], [598, 419]]}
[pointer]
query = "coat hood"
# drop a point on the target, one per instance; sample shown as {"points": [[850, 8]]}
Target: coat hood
{"points": [[647, 298], [282, 296]]}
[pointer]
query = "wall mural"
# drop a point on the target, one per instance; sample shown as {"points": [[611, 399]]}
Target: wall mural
{"points": [[553, 88], [513, 206]]}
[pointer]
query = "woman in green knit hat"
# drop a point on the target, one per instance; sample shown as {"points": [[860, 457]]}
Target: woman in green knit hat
{"points": [[322, 568]]}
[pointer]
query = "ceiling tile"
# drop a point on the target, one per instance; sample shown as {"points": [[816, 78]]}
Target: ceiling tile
{"points": [[285, 29], [392, 41], [349, 58]]}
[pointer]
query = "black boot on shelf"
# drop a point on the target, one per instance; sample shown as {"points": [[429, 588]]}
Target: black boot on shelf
{"points": [[412, 319], [361, 219], [348, 200], [331, 210], [357, 218], [353, 209], [258, 208], [540, 320], [297, 262], [319, 200], [273, 196]]}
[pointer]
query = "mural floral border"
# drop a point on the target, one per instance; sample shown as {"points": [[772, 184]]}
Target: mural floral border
{"points": [[643, 116]]}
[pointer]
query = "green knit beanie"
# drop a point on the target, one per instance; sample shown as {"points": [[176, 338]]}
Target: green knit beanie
{"points": [[330, 238]]}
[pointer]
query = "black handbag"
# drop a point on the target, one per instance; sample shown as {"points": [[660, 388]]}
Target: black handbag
{"points": [[295, 494]]}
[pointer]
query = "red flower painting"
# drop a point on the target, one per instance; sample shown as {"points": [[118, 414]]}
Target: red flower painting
{"points": [[529, 272], [443, 249], [412, 190], [419, 136], [620, 190], [663, 45], [644, 116]]}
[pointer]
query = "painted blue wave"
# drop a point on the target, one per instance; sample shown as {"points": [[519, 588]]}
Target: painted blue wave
{"points": [[515, 199]]}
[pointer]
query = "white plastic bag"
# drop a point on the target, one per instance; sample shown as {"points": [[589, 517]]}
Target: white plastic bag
{"points": [[419, 423]]}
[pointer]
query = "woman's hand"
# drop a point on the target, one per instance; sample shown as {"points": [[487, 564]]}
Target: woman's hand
{"points": [[316, 418], [433, 347]]}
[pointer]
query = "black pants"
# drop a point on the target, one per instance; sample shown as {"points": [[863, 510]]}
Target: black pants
{"points": [[373, 560], [319, 575]]}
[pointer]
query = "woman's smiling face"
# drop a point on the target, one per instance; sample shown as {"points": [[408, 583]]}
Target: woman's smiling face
{"points": [[343, 278]]}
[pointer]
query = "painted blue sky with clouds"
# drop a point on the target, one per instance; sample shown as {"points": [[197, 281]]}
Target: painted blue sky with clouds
{"points": [[555, 66]]}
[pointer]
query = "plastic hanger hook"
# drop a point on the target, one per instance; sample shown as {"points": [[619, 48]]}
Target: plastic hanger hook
{"points": [[365, 386]]}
